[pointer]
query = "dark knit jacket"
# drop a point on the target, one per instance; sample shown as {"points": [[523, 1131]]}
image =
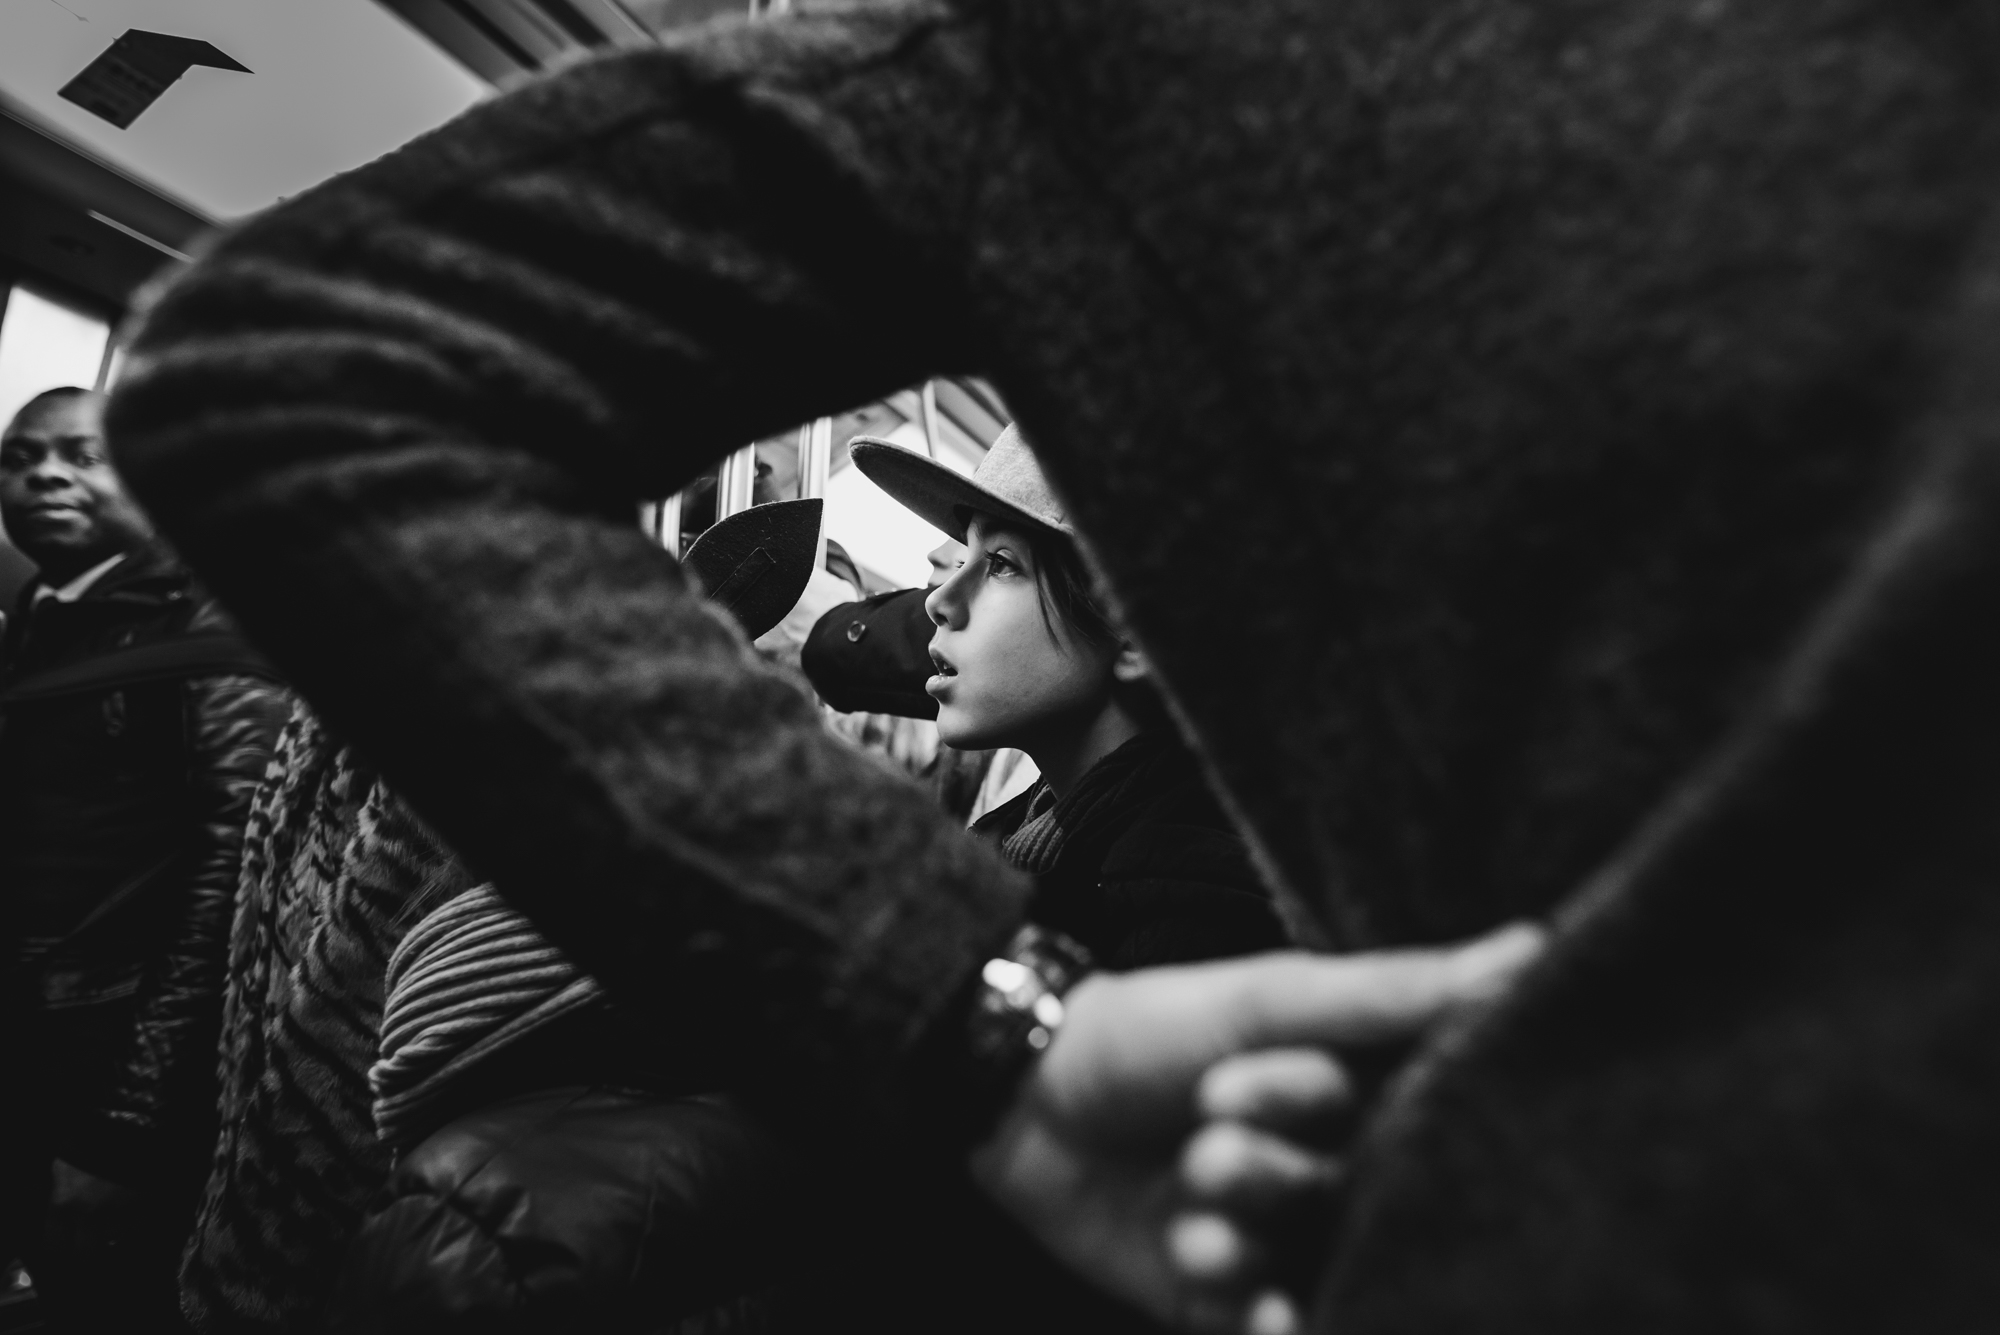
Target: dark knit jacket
{"points": [[1544, 449], [122, 806], [1137, 862]]}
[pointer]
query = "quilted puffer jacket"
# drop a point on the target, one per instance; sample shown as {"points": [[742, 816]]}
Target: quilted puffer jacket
{"points": [[608, 1209], [570, 1209], [585, 1207], [134, 727]]}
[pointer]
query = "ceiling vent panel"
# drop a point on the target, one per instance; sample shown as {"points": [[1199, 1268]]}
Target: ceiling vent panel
{"points": [[135, 70], [505, 41]]}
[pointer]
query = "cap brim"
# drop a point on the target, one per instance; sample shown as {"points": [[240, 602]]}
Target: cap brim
{"points": [[758, 561], [940, 496]]}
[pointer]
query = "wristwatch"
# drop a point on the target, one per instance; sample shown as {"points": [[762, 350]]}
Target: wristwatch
{"points": [[1017, 1008]]}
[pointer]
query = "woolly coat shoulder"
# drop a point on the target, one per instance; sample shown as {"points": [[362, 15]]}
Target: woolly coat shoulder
{"points": [[1544, 449]]}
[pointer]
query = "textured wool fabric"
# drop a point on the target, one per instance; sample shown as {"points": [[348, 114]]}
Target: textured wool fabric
{"points": [[1546, 450]]}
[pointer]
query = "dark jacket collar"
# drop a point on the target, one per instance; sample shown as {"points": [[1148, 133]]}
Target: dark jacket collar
{"points": [[150, 570], [1036, 829], [133, 594]]}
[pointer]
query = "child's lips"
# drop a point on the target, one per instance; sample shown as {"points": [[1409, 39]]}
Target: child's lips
{"points": [[941, 680]]}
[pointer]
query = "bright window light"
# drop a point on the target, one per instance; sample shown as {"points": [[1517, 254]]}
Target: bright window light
{"points": [[44, 343], [877, 531]]}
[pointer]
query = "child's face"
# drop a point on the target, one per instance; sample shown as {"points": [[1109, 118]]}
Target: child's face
{"points": [[1003, 678]]}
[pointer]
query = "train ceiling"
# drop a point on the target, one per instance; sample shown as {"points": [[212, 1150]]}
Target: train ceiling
{"points": [[129, 126], [325, 85]]}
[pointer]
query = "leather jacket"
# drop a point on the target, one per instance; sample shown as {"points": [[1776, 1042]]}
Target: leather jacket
{"points": [[122, 806]]}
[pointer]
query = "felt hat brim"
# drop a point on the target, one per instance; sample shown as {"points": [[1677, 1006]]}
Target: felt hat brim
{"points": [[757, 562], [935, 493]]}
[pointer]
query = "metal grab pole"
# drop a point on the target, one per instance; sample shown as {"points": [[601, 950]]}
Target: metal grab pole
{"points": [[815, 462], [927, 404], [736, 483], [670, 525], [815, 457]]}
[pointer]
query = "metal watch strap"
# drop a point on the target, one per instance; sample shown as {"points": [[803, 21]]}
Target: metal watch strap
{"points": [[1017, 1009]]}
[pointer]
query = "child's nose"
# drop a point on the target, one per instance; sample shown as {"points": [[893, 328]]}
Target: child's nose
{"points": [[945, 604]]}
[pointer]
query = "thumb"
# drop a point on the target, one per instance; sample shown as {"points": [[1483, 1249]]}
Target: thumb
{"points": [[1380, 996]]}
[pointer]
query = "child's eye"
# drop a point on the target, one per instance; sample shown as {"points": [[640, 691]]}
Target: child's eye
{"points": [[999, 563]]}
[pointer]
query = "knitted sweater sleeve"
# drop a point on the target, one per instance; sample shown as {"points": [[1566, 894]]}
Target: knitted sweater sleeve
{"points": [[400, 424]]}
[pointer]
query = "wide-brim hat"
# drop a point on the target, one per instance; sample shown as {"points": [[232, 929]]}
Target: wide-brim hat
{"points": [[757, 562], [1008, 484]]}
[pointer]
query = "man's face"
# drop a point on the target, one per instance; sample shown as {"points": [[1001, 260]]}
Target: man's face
{"points": [[777, 471], [62, 503]]}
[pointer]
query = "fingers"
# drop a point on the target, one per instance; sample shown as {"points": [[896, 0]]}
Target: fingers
{"points": [[1488, 965], [1252, 1203], [1209, 1249], [1208, 1245], [1143, 1059], [1272, 1312], [1218, 1267], [1302, 1090], [1251, 1199], [1253, 1195], [1377, 997], [1249, 1172]]}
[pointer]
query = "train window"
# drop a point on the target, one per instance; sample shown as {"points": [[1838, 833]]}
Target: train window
{"points": [[878, 544], [954, 421], [47, 341]]}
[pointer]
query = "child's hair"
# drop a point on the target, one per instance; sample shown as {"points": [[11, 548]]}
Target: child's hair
{"points": [[1063, 588]]}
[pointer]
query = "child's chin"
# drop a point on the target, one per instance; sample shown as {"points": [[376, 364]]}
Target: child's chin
{"points": [[958, 732]]}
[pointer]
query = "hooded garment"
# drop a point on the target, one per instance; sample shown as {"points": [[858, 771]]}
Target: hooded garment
{"points": [[1546, 450]]}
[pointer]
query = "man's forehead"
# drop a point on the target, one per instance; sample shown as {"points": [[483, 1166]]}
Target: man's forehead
{"points": [[63, 420]]}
